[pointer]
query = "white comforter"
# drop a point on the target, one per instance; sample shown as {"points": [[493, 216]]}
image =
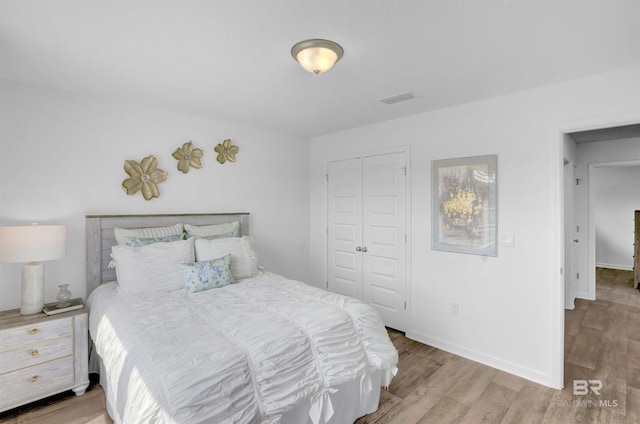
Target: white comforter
{"points": [[245, 353]]}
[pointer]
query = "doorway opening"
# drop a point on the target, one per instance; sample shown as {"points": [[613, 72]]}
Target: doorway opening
{"points": [[585, 154], [606, 161]]}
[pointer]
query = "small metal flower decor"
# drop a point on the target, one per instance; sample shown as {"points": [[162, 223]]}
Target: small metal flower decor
{"points": [[144, 176], [226, 151], [188, 157]]}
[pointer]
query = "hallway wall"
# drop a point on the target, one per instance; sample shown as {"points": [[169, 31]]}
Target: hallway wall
{"points": [[616, 195]]}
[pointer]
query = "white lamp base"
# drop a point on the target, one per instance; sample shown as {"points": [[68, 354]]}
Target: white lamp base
{"points": [[32, 299]]}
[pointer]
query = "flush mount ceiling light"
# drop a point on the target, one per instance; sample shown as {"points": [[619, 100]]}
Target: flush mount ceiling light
{"points": [[316, 55]]}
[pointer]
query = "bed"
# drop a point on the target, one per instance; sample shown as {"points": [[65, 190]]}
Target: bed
{"points": [[220, 340]]}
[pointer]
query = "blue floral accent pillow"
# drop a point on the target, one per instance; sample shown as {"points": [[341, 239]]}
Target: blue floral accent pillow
{"points": [[207, 275], [142, 241], [217, 236]]}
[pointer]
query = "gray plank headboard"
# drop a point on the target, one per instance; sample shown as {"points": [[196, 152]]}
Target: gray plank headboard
{"points": [[100, 236]]}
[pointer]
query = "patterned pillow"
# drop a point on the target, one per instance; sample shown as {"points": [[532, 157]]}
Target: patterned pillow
{"points": [[208, 274], [217, 236], [143, 241], [213, 230]]}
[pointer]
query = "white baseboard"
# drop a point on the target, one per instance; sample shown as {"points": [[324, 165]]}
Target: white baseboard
{"points": [[492, 361], [585, 296], [614, 266]]}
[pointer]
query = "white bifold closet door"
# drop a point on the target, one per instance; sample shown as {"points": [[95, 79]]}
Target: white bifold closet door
{"points": [[367, 233]]}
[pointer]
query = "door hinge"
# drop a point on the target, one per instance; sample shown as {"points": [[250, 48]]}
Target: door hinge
{"points": [[577, 275], [405, 304], [577, 228], [578, 181]]}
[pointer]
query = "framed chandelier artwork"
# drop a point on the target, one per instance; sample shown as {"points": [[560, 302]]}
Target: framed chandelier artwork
{"points": [[465, 205]]}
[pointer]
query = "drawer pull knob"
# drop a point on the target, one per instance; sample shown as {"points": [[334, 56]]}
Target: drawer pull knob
{"points": [[34, 352], [35, 379], [34, 331]]}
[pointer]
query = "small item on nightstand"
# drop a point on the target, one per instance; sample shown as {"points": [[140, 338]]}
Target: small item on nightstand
{"points": [[64, 294], [57, 308]]}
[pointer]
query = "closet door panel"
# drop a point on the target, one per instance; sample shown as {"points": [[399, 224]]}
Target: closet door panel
{"points": [[344, 227], [384, 236]]}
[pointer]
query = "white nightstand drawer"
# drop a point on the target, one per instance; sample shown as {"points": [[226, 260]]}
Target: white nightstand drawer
{"points": [[36, 332], [34, 354], [35, 382], [42, 355]]}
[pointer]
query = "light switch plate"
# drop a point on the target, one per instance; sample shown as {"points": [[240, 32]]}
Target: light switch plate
{"points": [[508, 240]]}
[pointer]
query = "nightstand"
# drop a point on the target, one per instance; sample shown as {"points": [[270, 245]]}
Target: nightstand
{"points": [[42, 355]]}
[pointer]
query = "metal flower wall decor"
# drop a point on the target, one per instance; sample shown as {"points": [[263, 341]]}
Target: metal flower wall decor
{"points": [[144, 176], [188, 157], [226, 151]]}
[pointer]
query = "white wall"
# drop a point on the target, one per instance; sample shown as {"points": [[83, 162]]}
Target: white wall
{"points": [[510, 306], [616, 196], [569, 148], [62, 156]]}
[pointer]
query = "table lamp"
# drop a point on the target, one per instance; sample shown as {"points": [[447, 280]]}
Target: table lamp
{"points": [[31, 244]]}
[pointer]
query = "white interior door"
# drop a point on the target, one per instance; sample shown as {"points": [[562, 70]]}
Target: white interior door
{"points": [[384, 262], [571, 239], [344, 227], [367, 233]]}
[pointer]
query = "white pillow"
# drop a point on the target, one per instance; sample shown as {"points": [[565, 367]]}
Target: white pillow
{"points": [[244, 261], [153, 267], [152, 232], [229, 229]]}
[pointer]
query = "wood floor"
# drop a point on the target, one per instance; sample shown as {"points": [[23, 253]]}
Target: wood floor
{"points": [[602, 342]]}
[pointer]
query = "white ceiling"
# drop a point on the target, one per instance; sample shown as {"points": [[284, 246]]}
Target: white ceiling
{"points": [[231, 59]]}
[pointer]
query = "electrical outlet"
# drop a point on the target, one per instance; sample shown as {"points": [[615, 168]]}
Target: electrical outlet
{"points": [[455, 309]]}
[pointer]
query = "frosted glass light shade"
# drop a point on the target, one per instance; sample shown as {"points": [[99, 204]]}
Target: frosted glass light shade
{"points": [[317, 55], [317, 59], [32, 243]]}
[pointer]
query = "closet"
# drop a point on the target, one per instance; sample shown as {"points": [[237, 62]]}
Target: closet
{"points": [[367, 233]]}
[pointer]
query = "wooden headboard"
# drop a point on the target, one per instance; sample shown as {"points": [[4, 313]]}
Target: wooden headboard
{"points": [[100, 236]]}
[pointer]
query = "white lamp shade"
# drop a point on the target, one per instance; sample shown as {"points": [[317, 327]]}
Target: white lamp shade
{"points": [[32, 243]]}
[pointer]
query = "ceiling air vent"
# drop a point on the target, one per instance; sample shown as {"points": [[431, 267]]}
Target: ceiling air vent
{"points": [[398, 98]]}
